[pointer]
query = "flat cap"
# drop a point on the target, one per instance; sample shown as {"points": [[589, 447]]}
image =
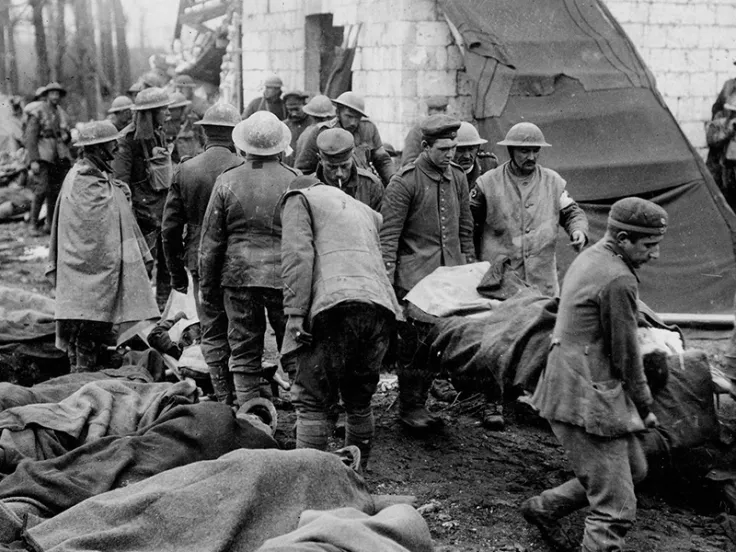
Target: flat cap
{"points": [[634, 214], [336, 144], [437, 102], [439, 126]]}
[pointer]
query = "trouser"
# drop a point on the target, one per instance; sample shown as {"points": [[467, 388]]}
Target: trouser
{"points": [[344, 361], [606, 470], [215, 347], [415, 376], [163, 277], [85, 339], [46, 187]]}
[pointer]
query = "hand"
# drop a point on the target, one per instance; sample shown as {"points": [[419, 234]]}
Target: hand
{"points": [[651, 420], [35, 167], [295, 328], [578, 240]]}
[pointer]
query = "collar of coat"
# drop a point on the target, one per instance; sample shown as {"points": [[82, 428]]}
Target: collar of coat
{"points": [[432, 171], [610, 244]]}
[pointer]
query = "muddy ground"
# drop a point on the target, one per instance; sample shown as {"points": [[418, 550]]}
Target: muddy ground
{"points": [[472, 481]]}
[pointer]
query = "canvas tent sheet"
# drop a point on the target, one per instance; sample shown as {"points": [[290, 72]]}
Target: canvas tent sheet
{"points": [[567, 66]]}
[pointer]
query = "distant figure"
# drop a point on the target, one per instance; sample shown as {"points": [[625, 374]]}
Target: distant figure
{"points": [[47, 138], [466, 154], [720, 135], [413, 142], [296, 119], [120, 112], [185, 85], [143, 162], [97, 256], [270, 101], [351, 116], [320, 110]]}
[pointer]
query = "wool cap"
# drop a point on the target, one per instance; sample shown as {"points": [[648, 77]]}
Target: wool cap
{"points": [[634, 214], [439, 126], [336, 144]]}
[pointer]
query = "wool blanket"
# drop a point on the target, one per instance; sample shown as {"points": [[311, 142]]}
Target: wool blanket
{"points": [[183, 435], [236, 502], [97, 409]]}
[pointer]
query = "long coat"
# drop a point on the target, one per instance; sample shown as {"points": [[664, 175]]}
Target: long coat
{"points": [[594, 376]]}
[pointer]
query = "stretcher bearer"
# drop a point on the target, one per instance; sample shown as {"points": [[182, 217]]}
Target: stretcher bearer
{"points": [[593, 390], [341, 309]]}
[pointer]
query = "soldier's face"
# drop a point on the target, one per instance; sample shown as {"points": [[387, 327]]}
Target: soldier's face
{"points": [[465, 156], [295, 110], [160, 116], [525, 159], [54, 97], [124, 117], [349, 119], [641, 251], [441, 152], [336, 174], [272, 92]]}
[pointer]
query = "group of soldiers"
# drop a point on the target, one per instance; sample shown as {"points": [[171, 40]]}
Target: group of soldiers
{"points": [[294, 213]]}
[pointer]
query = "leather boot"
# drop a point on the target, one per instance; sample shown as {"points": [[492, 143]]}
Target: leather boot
{"points": [[493, 416], [222, 383], [550, 528], [413, 391], [249, 387]]}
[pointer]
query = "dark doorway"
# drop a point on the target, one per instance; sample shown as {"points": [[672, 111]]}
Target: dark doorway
{"points": [[324, 52]]}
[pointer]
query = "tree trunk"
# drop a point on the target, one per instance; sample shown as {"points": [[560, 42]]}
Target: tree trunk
{"points": [[40, 41], [122, 55], [12, 57], [107, 54], [57, 69], [4, 24], [86, 52]]}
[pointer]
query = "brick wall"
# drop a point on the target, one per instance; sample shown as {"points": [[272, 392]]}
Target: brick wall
{"points": [[405, 53], [689, 45]]}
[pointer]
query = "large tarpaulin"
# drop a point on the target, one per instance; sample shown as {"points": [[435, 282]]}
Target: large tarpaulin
{"points": [[567, 66]]}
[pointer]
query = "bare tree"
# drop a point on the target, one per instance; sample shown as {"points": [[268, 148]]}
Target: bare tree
{"points": [[37, 7], [57, 68], [122, 55], [85, 50]]}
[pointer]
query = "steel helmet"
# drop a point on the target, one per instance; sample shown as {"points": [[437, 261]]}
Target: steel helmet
{"points": [[39, 92], [273, 81], [178, 100], [153, 79], [184, 81], [121, 103], [524, 135], [468, 136], [352, 101], [96, 132], [54, 86], [261, 134], [220, 114], [320, 106], [151, 98]]}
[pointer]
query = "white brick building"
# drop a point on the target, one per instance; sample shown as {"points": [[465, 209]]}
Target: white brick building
{"points": [[405, 52]]}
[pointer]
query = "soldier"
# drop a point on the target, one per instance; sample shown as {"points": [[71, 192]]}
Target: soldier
{"points": [[593, 391], [144, 163], [336, 289], [436, 105], [186, 204], [240, 254], [320, 110], [47, 137], [120, 112], [466, 154], [97, 255], [185, 85], [270, 101], [185, 140], [296, 119], [517, 208], [426, 224], [369, 150], [337, 168]]}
